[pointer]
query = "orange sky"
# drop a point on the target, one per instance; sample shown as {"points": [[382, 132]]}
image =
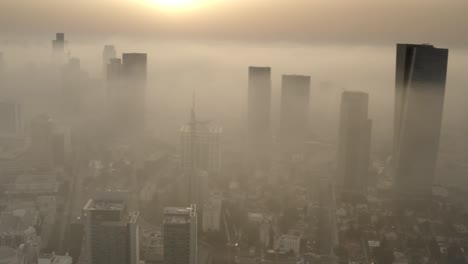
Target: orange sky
{"points": [[362, 21]]}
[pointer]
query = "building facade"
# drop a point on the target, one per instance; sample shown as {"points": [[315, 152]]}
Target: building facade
{"points": [[180, 235], [259, 108], [421, 72], [111, 230], [354, 140], [126, 86]]}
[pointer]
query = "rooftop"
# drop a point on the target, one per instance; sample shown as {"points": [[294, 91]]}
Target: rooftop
{"points": [[103, 204], [178, 215], [202, 128]]}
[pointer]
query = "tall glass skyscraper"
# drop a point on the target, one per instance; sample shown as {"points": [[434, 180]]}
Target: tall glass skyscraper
{"points": [[421, 72]]}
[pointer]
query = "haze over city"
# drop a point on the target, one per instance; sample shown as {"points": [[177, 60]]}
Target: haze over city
{"points": [[233, 131]]}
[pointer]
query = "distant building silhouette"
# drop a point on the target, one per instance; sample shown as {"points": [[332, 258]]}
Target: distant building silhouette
{"points": [[180, 235], [200, 151], [200, 146], [58, 48], [258, 109], [48, 143], [421, 72], [75, 82], [111, 231], [58, 44], [354, 139], [295, 96], [126, 84], [10, 119], [107, 54], [42, 137]]}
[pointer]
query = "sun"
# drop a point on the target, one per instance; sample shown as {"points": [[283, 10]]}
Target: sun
{"points": [[174, 3], [177, 5], [180, 6]]}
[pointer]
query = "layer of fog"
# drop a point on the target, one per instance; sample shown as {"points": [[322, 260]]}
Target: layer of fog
{"points": [[218, 74]]}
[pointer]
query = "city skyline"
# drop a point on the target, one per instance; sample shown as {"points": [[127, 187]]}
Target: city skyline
{"points": [[233, 132]]}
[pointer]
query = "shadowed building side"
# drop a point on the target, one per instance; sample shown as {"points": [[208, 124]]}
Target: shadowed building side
{"points": [[421, 72]]}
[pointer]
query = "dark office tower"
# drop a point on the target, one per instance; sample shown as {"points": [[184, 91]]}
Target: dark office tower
{"points": [[58, 48], [58, 44], [107, 54], [134, 73], [258, 107], [10, 119], [421, 72], [354, 138], [41, 149], [111, 230], [295, 95], [180, 235]]}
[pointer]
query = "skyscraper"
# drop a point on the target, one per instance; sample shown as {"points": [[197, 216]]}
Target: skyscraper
{"points": [[200, 147], [58, 49], [75, 82], [58, 44], [134, 71], [294, 117], [107, 54], [200, 151], [354, 139], [180, 235], [258, 106], [10, 119], [421, 72], [126, 81], [111, 230]]}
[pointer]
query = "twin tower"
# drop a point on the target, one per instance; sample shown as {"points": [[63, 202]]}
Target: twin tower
{"points": [[294, 110], [420, 80]]}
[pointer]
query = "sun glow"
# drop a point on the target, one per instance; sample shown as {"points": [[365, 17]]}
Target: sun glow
{"points": [[178, 5]]}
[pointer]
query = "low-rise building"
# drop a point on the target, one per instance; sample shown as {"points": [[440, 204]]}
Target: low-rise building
{"points": [[288, 243]]}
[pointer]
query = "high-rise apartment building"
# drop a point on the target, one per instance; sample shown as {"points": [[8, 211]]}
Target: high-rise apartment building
{"points": [[354, 139], [180, 235], [111, 231], [421, 72]]}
